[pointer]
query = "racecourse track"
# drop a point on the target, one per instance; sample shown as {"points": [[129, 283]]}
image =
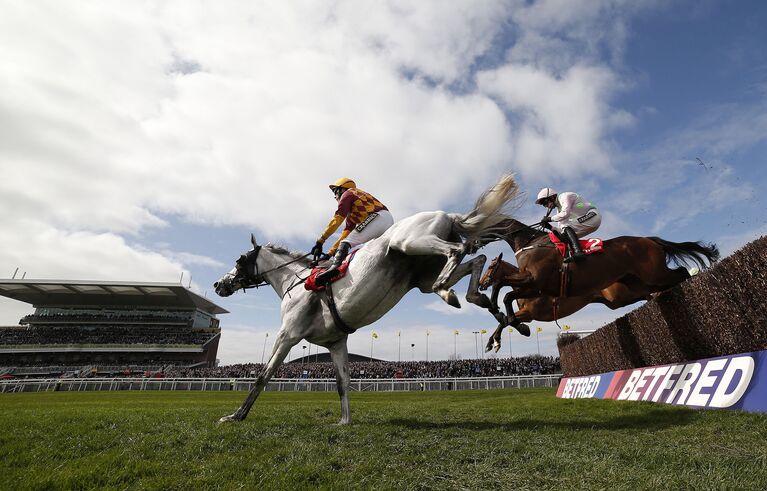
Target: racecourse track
{"points": [[490, 439]]}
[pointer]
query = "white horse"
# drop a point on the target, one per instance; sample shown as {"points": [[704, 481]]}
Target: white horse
{"points": [[422, 251]]}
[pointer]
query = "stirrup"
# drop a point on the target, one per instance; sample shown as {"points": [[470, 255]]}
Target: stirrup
{"points": [[326, 276], [575, 257]]}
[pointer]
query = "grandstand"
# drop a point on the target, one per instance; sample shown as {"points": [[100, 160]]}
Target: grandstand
{"points": [[101, 328]]}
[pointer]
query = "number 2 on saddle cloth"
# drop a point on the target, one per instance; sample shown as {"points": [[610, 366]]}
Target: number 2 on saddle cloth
{"points": [[589, 246]]}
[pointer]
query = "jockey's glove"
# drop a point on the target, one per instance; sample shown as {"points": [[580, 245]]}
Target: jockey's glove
{"points": [[546, 219], [317, 249]]}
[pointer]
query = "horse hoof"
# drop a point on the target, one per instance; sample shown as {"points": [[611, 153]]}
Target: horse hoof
{"points": [[523, 329], [497, 347], [450, 298], [227, 419]]}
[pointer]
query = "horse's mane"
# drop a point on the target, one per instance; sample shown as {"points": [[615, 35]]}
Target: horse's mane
{"points": [[508, 227], [278, 249]]}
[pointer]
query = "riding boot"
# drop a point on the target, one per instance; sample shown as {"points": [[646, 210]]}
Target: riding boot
{"points": [[575, 245], [326, 276]]}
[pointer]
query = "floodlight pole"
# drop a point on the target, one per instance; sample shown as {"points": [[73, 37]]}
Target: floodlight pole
{"points": [[399, 347], [510, 353], [455, 346], [476, 350], [538, 340], [264, 350]]}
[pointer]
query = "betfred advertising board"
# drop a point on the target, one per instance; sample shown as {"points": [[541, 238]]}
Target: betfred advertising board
{"points": [[726, 382]]}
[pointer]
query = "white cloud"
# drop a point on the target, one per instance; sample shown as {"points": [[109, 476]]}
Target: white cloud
{"points": [[565, 119], [114, 117], [273, 100]]}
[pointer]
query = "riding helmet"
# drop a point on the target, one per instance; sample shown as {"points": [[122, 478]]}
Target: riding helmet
{"points": [[344, 182], [545, 193]]}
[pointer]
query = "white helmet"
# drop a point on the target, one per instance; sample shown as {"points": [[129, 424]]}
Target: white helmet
{"points": [[544, 193]]}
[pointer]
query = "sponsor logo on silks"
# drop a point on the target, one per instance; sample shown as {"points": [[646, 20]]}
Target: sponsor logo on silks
{"points": [[366, 222], [591, 214], [734, 382]]}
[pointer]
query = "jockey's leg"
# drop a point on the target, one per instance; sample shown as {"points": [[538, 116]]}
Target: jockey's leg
{"points": [[575, 245], [338, 259], [363, 233]]}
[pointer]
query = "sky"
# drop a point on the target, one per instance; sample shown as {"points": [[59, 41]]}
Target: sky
{"points": [[143, 140]]}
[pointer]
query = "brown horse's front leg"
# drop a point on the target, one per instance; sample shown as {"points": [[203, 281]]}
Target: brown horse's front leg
{"points": [[495, 309], [514, 321], [495, 339], [494, 298]]}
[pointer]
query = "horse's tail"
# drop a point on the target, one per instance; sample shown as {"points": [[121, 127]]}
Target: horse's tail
{"points": [[685, 252], [487, 213]]}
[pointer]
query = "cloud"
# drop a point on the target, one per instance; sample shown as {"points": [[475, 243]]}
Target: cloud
{"points": [[217, 125], [564, 119], [118, 120]]}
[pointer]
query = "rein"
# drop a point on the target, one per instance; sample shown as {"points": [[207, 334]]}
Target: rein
{"points": [[535, 226], [260, 274]]}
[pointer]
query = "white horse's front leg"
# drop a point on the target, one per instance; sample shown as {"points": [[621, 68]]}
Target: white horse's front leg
{"points": [[281, 350], [340, 355], [454, 258], [472, 267]]}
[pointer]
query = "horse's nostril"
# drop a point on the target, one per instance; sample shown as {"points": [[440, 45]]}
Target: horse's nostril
{"points": [[215, 285]]}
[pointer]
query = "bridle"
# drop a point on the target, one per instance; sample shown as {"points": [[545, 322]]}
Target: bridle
{"points": [[493, 268], [247, 266]]}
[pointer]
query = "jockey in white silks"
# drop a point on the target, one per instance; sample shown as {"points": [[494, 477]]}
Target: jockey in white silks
{"points": [[576, 218], [366, 219]]}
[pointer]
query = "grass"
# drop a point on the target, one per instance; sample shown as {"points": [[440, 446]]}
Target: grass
{"points": [[513, 439]]}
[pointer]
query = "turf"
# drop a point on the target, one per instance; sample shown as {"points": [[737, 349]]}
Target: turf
{"points": [[513, 439]]}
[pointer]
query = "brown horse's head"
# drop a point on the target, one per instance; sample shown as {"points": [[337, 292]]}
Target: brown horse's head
{"points": [[488, 279]]}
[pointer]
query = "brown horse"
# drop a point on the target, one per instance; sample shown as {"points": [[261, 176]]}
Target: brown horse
{"points": [[546, 308], [635, 260], [629, 270]]}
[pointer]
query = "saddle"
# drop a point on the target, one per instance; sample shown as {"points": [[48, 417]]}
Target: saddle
{"points": [[311, 282], [589, 246]]}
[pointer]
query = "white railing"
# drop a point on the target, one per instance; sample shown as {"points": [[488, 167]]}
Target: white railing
{"points": [[278, 385]]}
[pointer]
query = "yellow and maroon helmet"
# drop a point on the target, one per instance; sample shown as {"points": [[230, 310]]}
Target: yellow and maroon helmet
{"points": [[344, 183]]}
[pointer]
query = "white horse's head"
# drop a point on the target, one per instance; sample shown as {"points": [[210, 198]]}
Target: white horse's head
{"points": [[243, 275]]}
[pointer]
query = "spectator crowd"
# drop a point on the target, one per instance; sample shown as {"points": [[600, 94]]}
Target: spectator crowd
{"points": [[489, 367], [111, 335]]}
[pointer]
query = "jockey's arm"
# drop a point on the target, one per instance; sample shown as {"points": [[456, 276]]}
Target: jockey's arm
{"points": [[335, 222], [568, 201], [344, 207]]}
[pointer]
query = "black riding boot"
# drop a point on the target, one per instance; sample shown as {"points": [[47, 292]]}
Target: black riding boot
{"points": [[577, 253], [330, 273]]}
